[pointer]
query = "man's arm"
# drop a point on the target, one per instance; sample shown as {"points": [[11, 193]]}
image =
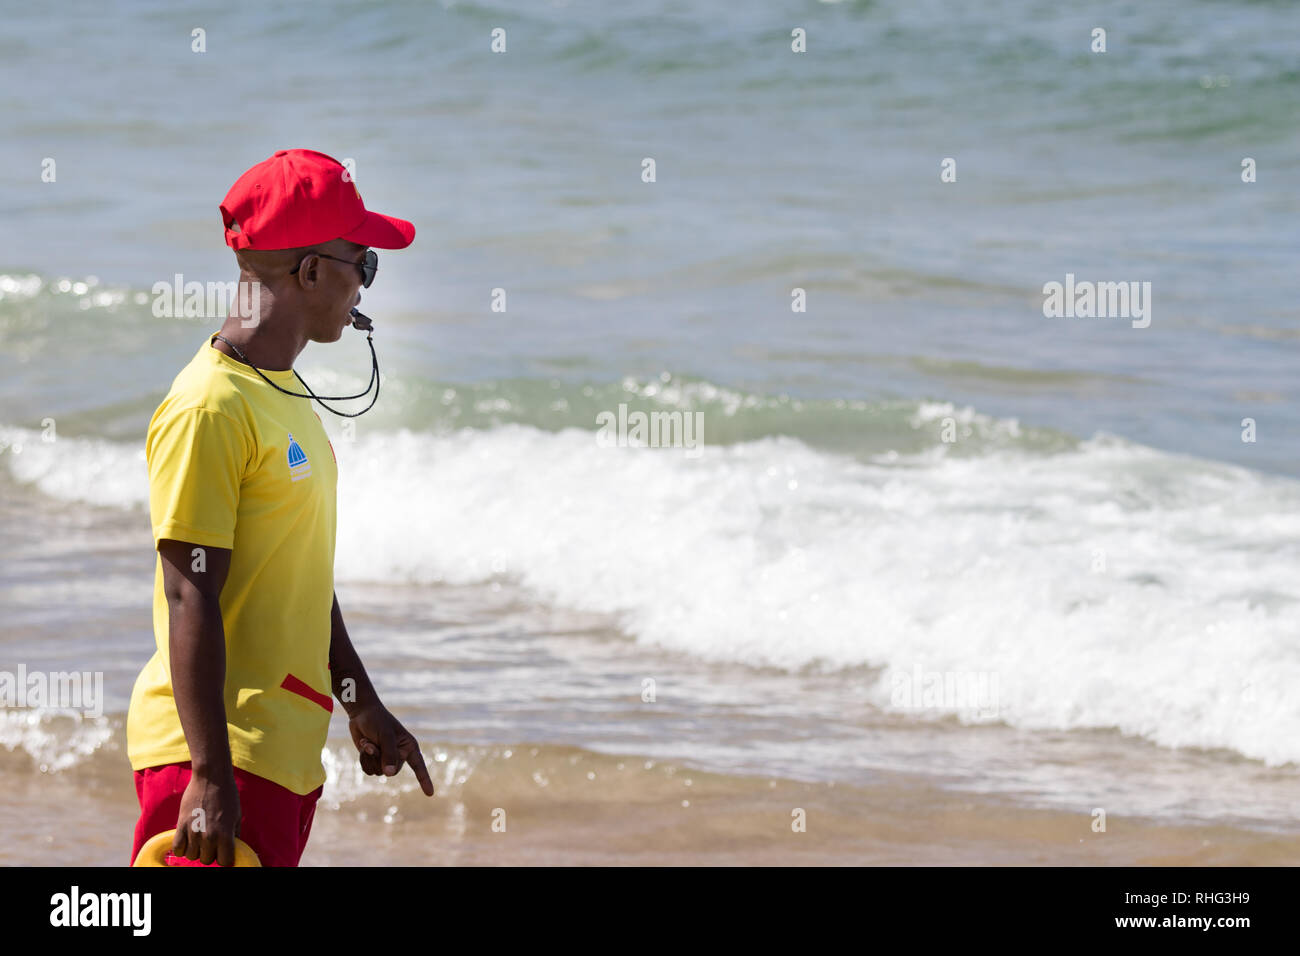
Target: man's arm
{"points": [[193, 578], [348, 677], [384, 744]]}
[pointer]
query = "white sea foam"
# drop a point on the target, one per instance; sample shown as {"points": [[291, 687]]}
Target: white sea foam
{"points": [[91, 470], [1114, 586], [1108, 586], [53, 739]]}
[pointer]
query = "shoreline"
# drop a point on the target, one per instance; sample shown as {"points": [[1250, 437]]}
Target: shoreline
{"points": [[660, 815]]}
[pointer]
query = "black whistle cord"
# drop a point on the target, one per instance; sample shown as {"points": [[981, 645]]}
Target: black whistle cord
{"points": [[374, 381]]}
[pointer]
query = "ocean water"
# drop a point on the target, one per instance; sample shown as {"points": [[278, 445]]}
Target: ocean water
{"points": [[919, 475]]}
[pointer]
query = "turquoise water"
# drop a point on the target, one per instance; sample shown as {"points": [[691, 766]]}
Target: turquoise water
{"points": [[775, 170]]}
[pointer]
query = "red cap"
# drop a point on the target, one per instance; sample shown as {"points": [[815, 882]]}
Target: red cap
{"points": [[300, 197]]}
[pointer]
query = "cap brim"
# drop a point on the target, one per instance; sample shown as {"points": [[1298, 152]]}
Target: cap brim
{"points": [[382, 232]]}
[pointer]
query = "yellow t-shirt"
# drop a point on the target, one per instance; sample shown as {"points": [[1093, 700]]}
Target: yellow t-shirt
{"points": [[235, 464]]}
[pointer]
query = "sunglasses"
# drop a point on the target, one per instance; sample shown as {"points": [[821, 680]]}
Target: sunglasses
{"points": [[368, 266]]}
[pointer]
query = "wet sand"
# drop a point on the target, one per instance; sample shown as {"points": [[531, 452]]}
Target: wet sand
{"points": [[639, 815]]}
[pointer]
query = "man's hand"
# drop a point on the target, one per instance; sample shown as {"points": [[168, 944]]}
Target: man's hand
{"points": [[395, 745], [210, 834]]}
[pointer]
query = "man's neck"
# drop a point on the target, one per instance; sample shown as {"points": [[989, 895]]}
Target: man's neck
{"points": [[258, 340]]}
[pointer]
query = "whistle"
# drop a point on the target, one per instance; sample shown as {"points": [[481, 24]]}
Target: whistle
{"points": [[361, 322]]}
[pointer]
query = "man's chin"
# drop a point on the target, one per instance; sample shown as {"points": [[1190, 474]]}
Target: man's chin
{"points": [[326, 337]]}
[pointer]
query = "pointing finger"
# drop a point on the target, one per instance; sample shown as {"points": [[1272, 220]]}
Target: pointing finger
{"points": [[416, 759]]}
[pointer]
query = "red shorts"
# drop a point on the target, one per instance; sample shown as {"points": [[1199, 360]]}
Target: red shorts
{"points": [[274, 820]]}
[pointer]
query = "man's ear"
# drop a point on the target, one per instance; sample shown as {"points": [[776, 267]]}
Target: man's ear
{"points": [[308, 271]]}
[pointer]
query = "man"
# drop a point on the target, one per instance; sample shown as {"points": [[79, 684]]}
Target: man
{"points": [[228, 718]]}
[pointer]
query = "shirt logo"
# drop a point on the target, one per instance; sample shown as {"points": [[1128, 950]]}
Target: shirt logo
{"points": [[299, 466]]}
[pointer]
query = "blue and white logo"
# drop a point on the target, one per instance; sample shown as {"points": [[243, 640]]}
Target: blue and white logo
{"points": [[299, 466]]}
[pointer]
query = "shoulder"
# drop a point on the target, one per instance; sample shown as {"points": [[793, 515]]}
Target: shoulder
{"points": [[204, 386], [205, 404]]}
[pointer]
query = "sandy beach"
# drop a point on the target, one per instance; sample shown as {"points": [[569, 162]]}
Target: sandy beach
{"points": [[628, 814]]}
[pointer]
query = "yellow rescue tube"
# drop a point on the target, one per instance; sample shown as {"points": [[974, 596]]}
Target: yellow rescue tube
{"points": [[155, 850]]}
